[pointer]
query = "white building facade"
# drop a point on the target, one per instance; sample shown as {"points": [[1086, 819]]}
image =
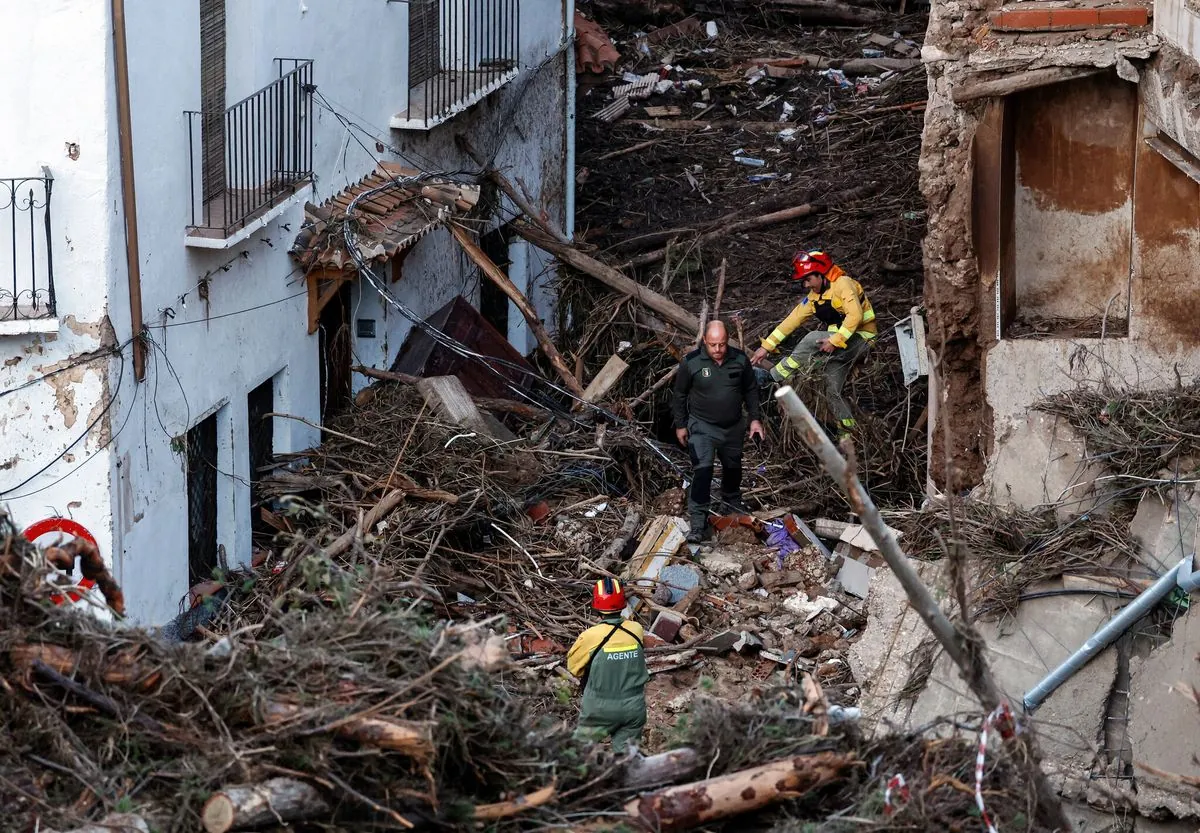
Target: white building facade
{"points": [[148, 433]]}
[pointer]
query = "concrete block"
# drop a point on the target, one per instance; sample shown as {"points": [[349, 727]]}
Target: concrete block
{"points": [[1021, 651], [1159, 529], [855, 577], [1085, 819], [1040, 461], [880, 659], [722, 564], [1164, 724]]}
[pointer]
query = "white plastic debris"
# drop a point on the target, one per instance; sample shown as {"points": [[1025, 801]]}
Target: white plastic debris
{"points": [[710, 29], [787, 111], [596, 510], [664, 85], [749, 161], [788, 135], [693, 84]]}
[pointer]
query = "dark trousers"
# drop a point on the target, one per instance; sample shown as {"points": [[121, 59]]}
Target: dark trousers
{"points": [[707, 443]]}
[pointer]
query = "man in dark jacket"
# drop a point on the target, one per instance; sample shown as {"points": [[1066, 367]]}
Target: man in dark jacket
{"points": [[712, 385]]}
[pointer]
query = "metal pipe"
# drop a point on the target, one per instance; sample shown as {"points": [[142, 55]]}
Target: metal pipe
{"points": [[1104, 637], [128, 187], [569, 220]]}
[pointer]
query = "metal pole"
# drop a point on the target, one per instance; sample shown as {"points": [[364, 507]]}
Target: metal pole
{"points": [[1104, 637]]}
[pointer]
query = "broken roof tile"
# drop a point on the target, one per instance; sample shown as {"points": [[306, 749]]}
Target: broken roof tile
{"points": [[388, 222], [594, 50]]}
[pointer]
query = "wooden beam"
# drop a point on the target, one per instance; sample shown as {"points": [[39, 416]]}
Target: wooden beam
{"points": [[774, 218], [497, 276], [972, 89], [608, 376], [608, 276]]}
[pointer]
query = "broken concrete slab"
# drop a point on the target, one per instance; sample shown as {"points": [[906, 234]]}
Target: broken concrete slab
{"points": [[1021, 651], [1085, 819], [722, 564], [881, 659], [1162, 524], [1040, 461], [1164, 723], [679, 579]]}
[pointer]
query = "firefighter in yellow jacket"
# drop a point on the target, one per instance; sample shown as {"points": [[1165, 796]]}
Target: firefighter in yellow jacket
{"points": [[611, 662], [839, 302]]}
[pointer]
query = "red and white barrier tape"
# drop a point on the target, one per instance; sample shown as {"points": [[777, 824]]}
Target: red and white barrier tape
{"points": [[1002, 719], [896, 786]]}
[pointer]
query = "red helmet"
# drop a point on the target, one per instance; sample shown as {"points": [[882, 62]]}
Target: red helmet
{"points": [[607, 596], [806, 263]]}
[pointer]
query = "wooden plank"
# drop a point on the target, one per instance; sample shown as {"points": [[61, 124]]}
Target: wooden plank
{"points": [[447, 397], [608, 376]]}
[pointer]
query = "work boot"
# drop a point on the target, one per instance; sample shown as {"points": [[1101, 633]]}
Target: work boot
{"points": [[698, 530]]}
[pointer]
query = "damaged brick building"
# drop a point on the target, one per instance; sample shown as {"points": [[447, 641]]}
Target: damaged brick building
{"points": [[1059, 166]]}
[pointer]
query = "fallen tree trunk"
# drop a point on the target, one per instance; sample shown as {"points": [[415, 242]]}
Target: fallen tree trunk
{"points": [[774, 218], [607, 275], [276, 801], [518, 298], [691, 805], [115, 823]]}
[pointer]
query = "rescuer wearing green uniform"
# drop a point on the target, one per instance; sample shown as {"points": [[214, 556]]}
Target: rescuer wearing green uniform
{"points": [[610, 661], [712, 385]]}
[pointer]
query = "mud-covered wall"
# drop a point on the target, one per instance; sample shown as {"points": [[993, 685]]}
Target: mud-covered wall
{"points": [[963, 48]]}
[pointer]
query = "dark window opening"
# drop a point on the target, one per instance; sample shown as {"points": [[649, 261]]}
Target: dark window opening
{"points": [[336, 353], [202, 500], [493, 303], [259, 403], [212, 97]]}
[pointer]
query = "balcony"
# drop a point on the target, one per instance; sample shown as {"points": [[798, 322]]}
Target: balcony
{"points": [[459, 52], [26, 246], [250, 160]]}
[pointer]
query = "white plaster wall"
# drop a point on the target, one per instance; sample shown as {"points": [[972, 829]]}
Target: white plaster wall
{"points": [[1176, 23], [56, 69], [217, 349], [210, 348]]}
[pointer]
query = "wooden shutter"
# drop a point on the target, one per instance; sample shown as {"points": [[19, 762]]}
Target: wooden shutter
{"points": [[424, 40], [212, 96]]}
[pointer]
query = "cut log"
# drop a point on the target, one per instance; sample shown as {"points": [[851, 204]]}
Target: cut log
{"points": [[663, 768], [607, 275], [411, 738], [496, 275], [974, 89], [692, 805], [774, 218], [279, 800], [122, 669], [604, 381]]}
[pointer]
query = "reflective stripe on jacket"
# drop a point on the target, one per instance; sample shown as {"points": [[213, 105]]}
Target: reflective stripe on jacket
{"points": [[618, 669], [843, 307]]}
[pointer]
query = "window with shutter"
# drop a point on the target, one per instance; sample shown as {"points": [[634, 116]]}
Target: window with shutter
{"points": [[424, 40], [212, 97]]}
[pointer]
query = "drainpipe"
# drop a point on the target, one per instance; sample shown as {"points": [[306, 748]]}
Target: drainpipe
{"points": [[569, 220], [128, 189], [1181, 575]]}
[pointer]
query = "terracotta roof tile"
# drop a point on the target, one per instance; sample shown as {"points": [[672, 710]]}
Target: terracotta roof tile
{"points": [[594, 50], [387, 223]]}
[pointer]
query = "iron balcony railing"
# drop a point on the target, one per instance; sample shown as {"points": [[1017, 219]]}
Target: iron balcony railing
{"points": [[28, 292], [458, 52], [253, 155]]}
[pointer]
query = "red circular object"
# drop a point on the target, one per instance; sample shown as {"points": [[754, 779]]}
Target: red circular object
{"points": [[69, 527]]}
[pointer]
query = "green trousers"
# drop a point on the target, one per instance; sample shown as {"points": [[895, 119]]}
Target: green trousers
{"points": [[622, 719], [836, 370]]}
